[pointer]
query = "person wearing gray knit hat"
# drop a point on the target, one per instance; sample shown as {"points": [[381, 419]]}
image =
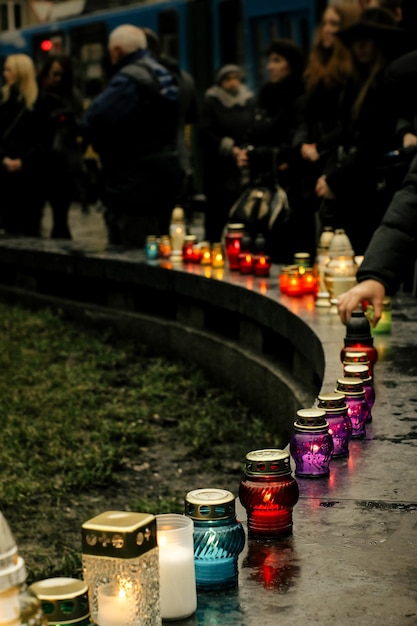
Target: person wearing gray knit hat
{"points": [[228, 69]]}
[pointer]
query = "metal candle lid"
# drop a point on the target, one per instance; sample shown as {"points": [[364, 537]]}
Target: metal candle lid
{"points": [[12, 566], [311, 420], [350, 386], [358, 329], [119, 534], [64, 600], [358, 370], [355, 357], [268, 462], [190, 238], [235, 227], [210, 504], [332, 402]]}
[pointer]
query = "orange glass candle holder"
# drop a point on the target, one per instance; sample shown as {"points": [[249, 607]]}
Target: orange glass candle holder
{"points": [[294, 287], [308, 280]]}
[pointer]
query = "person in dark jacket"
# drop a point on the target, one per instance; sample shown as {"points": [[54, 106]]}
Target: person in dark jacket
{"points": [[270, 156], [64, 106], [359, 196], [133, 126], [391, 252], [24, 134], [226, 113]]}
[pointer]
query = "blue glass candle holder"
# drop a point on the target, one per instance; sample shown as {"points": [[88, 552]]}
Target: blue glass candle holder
{"points": [[152, 248], [311, 445], [340, 426], [358, 409], [219, 537]]}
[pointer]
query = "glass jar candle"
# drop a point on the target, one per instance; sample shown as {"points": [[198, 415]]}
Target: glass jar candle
{"points": [[176, 566], [233, 239], [268, 492], [340, 426], [358, 409], [359, 338], [245, 263], [187, 248], [384, 325], [219, 537], [311, 445], [308, 280], [294, 283], [358, 370], [217, 255], [283, 277], [151, 248], [121, 569], [205, 250], [165, 248], [64, 601], [261, 264]]}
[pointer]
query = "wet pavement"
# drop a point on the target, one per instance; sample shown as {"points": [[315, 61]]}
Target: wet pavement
{"points": [[352, 558]]}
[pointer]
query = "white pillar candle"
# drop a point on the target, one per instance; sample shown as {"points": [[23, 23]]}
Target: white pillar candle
{"points": [[9, 607], [176, 566], [115, 605]]}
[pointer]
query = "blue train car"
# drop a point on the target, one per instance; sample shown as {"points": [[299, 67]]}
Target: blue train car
{"points": [[201, 34]]}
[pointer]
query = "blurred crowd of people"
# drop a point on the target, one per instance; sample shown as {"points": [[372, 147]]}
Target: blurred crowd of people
{"points": [[336, 129]]}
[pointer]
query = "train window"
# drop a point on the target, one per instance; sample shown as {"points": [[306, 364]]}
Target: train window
{"points": [[168, 33], [90, 58], [11, 15]]}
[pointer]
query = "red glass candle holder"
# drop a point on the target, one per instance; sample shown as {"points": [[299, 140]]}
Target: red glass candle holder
{"points": [[268, 492], [245, 263], [187, 248], [197, 252], [233, 239], [308, 280], [283, 277], [294, 283], [340, 426], [358, 409], [261, 264], [311, 445]]}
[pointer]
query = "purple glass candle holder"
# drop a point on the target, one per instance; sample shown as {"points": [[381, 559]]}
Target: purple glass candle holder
{"points": [[311, 445], [361, 370], [358, 409], [340, 426]]}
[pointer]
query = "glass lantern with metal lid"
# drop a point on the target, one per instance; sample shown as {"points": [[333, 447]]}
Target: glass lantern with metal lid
{"points": [[120, 559], [18, 605], [340, 426], [269, 492], [358, 409], [64, 601], [311, 445], [361, 370], [219, 537], [233, 239]]}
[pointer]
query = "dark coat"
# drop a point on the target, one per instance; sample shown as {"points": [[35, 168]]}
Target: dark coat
{"points": [[393, 248], [133, 127], [24, 134]]}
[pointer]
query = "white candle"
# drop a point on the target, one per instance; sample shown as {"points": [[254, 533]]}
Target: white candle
{"points": [[115, 605], [9, 607], [176, 566]]}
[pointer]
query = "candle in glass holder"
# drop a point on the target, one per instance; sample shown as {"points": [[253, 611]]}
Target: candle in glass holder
{"points": [[176, 566], [217, 256], [116, 603], [151, 248], [233, 239], [308, 280], [196, 257], [261, 264], [358, 409], [245, 263], [294, 283], [311, 445], [205, 258], [165, 248], [283, 277], [187, 248]]}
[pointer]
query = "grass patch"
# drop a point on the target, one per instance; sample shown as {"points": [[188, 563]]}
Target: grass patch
{"points": [[80, 412]]}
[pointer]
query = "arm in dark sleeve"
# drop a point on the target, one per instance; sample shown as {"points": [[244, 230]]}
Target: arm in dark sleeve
{"points": [[394, 244]]}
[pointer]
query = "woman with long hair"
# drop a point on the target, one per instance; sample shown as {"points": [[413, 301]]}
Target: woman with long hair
{"points": [[353, 186], [23, 131], [317, 136]]}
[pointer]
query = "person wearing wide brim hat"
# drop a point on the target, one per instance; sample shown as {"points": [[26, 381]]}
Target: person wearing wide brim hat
{"points": [[380, 26]]}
